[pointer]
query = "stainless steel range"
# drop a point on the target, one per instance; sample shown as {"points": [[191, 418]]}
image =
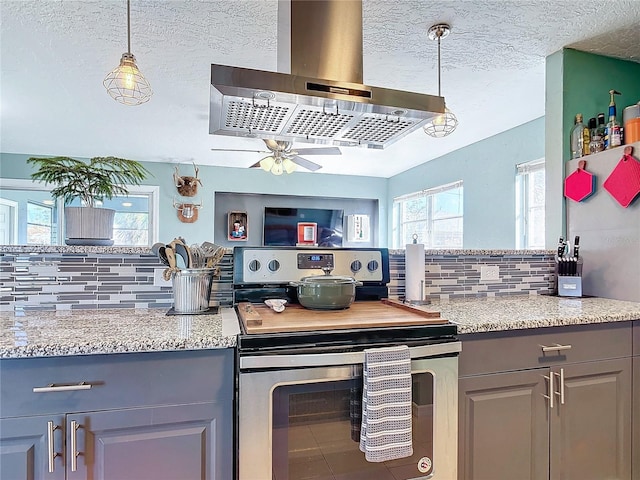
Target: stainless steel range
{"points": [[300, 370]]}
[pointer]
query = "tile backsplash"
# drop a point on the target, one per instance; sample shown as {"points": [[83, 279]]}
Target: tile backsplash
{"points": [[63, 281]]}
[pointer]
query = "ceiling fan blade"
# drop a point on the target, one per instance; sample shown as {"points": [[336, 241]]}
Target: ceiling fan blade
{"points": [[255, 165], [303, 162], [318, 151], [237, 150]]}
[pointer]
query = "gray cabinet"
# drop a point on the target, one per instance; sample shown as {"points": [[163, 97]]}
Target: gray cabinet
{"points": [[543, 404], [116, 417], [635, 469]]}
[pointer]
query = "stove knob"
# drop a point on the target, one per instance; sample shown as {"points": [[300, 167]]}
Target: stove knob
{"points": [[254, 265], [356, 265], [372, 266], [274, 265]]}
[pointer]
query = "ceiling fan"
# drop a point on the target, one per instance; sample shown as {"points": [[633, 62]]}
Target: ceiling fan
{"points": [[284, 158]]}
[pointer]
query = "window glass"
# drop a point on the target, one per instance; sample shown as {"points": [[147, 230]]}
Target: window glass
{"points": [[530, 201], [434, 215], [39, 224]]}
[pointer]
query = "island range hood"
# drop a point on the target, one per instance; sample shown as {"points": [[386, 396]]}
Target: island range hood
{"points": [[320, 98]]}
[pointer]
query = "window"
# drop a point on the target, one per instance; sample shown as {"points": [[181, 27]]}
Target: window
{"points": [[135, 223], [39, 224], [29, 215], [530, 191], [434, 215]]}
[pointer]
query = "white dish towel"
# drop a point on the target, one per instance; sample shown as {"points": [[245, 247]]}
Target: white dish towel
{"points": [[386, 404]]}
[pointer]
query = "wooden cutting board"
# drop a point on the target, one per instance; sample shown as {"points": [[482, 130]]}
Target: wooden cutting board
{"points": [[258, 318]]}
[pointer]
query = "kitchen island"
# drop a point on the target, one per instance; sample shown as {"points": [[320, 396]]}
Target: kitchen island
{"points": [[120, 393]]}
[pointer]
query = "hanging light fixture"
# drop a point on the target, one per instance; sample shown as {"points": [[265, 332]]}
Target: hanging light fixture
{"points": [[125, 83], [276, 164], [445, 123]]}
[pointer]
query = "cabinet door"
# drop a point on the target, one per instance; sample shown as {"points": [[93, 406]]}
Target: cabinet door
{"points": [[25, 445], [503, 422], [591, 431], [635, 469], [159, 443]]}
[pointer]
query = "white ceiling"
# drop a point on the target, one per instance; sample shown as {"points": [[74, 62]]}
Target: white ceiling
{"points": [[55, 55]]}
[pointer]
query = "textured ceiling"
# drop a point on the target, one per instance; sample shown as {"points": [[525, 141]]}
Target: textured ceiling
{"points": [[55, 54]]}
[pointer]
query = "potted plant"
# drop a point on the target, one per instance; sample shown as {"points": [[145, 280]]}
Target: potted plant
{"points": [[100, 178]]}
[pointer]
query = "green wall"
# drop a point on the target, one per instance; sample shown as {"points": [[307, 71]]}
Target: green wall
{"points": [[586, 83]]}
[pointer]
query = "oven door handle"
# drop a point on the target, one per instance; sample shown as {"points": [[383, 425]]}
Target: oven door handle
{"points": [[342, 358]]}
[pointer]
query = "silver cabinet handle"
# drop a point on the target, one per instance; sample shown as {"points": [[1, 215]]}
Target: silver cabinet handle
{"points": [[561, 376], [551, 389], [52, 454], [555, 347], [74, 445], [52, 387]]}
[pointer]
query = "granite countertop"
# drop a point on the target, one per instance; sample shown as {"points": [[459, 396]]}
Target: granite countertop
{"points": [[518, 312], [86, 332]]}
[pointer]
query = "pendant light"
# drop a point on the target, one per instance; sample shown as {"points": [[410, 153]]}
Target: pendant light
{"points": [[125, 83], [444, 123]]}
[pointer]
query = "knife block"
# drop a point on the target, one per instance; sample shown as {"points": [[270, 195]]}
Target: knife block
{"points": [[569, 285]]}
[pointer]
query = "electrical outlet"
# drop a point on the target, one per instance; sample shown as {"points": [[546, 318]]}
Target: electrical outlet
{"points": [[158, 279], [489, 273]]}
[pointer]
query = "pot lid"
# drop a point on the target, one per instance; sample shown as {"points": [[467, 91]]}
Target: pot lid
{"points": [[327, 280]]}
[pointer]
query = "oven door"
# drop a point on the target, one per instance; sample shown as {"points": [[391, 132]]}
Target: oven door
{"points": [[299, 417]]}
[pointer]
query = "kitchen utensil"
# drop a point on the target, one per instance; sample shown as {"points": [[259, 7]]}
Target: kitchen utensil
{"points": [[326, 292], [624, 181], [198, 258], [156, 247], [213, 253], [162, 255], [580, 184], [183, 253], [171, 257]]}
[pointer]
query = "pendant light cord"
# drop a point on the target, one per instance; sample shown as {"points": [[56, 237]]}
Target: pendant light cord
{"points": [[439, 34], [129, 28]]}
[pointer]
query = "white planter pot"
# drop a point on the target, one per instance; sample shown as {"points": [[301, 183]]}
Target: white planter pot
{"points": [[88, 226]]}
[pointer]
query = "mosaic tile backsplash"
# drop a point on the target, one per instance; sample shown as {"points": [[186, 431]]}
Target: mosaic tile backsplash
{"points": [[63, 281]]}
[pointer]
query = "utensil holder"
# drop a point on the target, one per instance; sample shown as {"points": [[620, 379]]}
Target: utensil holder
{"points": [[192, 289]]}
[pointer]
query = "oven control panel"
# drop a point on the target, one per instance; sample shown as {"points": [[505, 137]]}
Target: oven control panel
{"points": [[283, 264]]}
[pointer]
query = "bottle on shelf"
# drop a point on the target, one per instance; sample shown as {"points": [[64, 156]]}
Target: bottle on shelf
{"points": [[578, 137], [613, 133], [597, 143]]}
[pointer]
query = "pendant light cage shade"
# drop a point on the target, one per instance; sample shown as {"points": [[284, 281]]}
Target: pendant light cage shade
{"points": [[445, 123], [441, 125], [126, 84]]}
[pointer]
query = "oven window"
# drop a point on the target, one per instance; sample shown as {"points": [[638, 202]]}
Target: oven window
{"points": [[316, 433]]}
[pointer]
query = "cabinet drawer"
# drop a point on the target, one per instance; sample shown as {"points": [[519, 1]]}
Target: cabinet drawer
{"points": [[521, 349], [116, 381], [636, 337]]}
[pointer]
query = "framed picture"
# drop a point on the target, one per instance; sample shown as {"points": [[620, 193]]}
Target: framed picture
{"points": [[237, 226]]}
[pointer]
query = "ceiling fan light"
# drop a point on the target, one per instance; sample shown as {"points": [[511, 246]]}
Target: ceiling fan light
{"points": [[441, 125], [277, 167], [266, 163], [288, 165]]}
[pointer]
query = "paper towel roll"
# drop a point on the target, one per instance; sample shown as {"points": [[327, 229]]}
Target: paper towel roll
{"points": [[414, 271]]}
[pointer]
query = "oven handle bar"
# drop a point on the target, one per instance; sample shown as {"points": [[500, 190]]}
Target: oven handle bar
{"points": [[342, 358]]}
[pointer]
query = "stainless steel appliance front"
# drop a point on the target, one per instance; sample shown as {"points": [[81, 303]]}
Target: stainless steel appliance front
{"points": [[283, 410]]}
